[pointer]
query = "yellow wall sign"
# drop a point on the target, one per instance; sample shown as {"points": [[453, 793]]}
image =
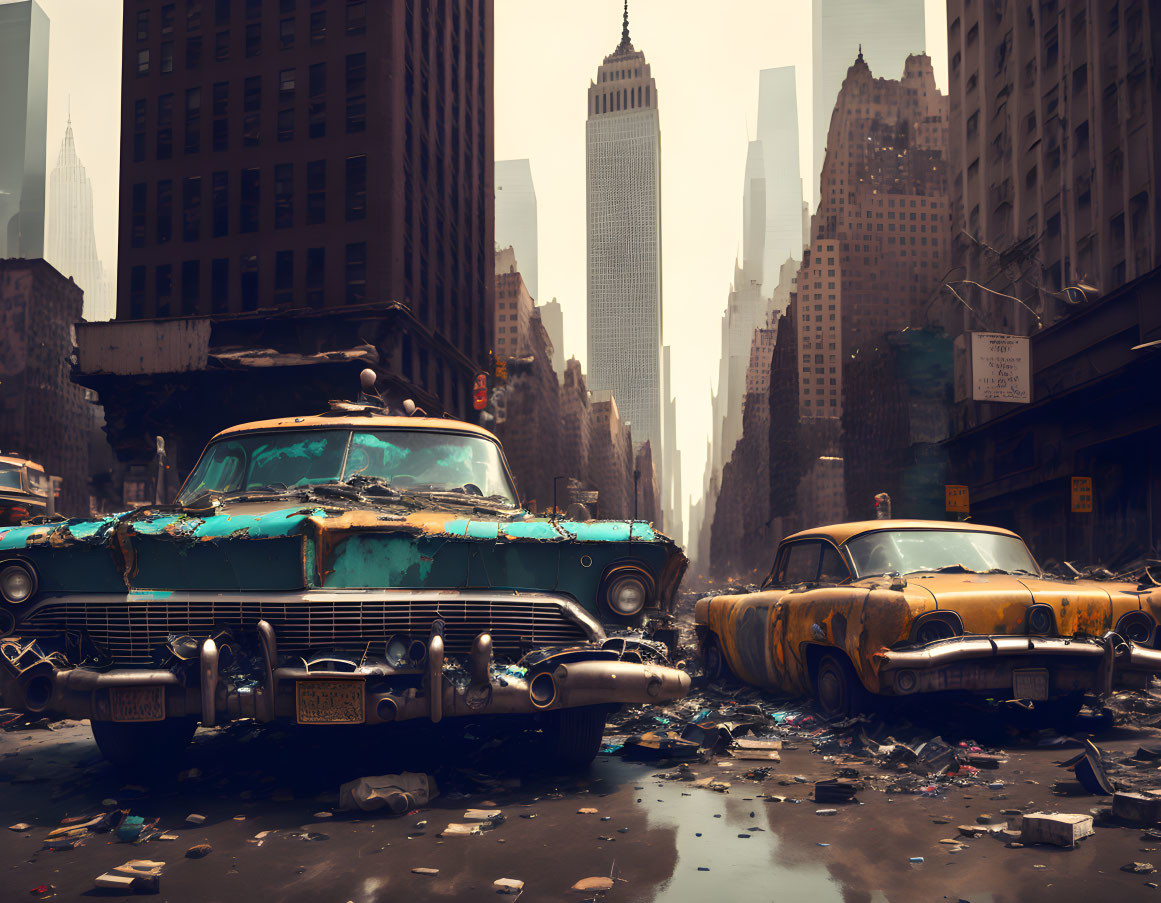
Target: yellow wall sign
{"points": [[1082, 495], [501, 369], [956, 499]]}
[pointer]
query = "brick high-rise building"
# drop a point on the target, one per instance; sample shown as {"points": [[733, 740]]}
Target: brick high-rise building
{"points": [[1055, 157], [308, 181], [513, 310], [879, 238], [576, 422]]}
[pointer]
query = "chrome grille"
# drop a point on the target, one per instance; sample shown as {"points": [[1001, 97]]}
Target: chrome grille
{"points": [[129, 631]]}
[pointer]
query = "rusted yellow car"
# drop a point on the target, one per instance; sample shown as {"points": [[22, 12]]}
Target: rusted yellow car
{"points": [[894, 608]]}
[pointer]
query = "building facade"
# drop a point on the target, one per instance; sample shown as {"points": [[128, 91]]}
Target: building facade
{"points": [[623, 180], [552, 316], [778, 137], [24, 113], [1055, 154], [879, 238], [516, 217], [309, 183], [514, 306], [886, 32], [70, 240], [43, 413]]}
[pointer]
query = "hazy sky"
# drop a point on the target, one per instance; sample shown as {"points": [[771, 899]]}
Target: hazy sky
{"points": [[705, 57]]}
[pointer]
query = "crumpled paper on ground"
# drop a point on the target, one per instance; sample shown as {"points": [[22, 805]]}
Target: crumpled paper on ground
{"points": [[400, 793]]}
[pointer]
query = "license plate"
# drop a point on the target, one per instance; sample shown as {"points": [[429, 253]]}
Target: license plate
{"points": [[137, 703], [1030, 683], [330, 701]]}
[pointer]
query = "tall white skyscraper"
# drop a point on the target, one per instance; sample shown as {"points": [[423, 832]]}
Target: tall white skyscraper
{"points": [[71, 244], [516, 217], [887, 31], [623, 175], [778, 133]]}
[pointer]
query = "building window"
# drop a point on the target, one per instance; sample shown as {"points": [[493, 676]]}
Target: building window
{"points": [[356, 187], [165, 127], [220, 202], [164, 211], [191, 208], [286, 86], [139, 131], [248, 281], [286, 34], [315, 276], [356, 272], [191, 272], [142, 62], [283, 196], [163, 289], [193, 15], [167, 18], [356, 17], [222, 46], [193, 120], [137, 229], [284, 278], [143, 25], [252, 111], [316, 192], [166, 57], [221, 124], [221, 12], [318, 100], [356, 98], [220, 285], [253, 9], [253, 39], [318, 26], [137, 292], [250, 199], [193, 52]]}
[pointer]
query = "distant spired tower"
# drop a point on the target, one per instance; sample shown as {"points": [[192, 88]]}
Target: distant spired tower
{"points": [[71, 244], [623, 179]]}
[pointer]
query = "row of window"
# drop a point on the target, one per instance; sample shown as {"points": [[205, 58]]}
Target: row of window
{"points": [[178, 290], [625, 99], [356, 24], [249, 201], [286, 111]]}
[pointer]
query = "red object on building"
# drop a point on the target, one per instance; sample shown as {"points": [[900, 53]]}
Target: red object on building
{"points": [[480, 392]]}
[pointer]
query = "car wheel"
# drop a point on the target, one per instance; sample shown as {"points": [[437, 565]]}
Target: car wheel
{"points": [[573, 736], [155, 742], [713, 660], [837, 688]]}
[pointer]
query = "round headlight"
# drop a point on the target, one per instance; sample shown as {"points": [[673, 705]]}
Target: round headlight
{"points": [[627, 595], [1137, 627], [1040, 619], [934, 629], [17, 583]]}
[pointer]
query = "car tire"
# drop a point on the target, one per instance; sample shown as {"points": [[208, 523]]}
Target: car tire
{"points": [[837, 688], [140, 744], [573, 736], [713, 660]]}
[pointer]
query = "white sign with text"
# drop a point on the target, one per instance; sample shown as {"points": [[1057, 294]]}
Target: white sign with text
{"points": [[1001, 368]]}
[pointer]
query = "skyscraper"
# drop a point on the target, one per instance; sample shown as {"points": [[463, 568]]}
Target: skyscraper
{"points": [[885, 30], [23, 127], [623, 174], [778, 133], [70, 243], [516, 217]]}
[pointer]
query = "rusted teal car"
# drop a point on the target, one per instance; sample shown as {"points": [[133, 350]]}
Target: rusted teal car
{"points": [[355, 567]]}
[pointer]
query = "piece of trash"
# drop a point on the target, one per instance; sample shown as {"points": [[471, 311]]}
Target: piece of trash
{"points": [[166, 837], [19, 826], [130, 828], [593, 884], [756, 750], [1090, 771], [1058, 829], [199, 851], [461, 830], [324, 814], [425, 871], [915, 859], [586, 811], [195, 819], [836, 790], [42, 891], [1139, 808], [137, 875], [1139, 868], [661, 744], [825, 811], [508, 885], [399, 793], [478, 815]]}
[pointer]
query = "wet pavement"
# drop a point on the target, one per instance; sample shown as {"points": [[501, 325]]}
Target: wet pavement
{"points": [[661, 840]]}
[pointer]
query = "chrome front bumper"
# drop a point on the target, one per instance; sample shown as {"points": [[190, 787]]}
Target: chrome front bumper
{"points": [[984, 663], [418, 692]]}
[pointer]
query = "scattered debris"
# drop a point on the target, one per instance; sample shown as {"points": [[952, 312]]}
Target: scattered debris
{"points": [[19, 826], [508, 885], [1090, 771], [1054, 828], [196, 819], [1139, 868], [199, 851], [136, 875], [399, 793], [1138, 808], [431, 873], [586, 885]]}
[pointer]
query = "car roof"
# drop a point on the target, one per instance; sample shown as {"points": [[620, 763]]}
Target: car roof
{"points": [[15, 459], [840, 533], [359, 420]]}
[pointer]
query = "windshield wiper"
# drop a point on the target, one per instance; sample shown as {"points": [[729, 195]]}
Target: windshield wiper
{"points": [[1018, 572]]}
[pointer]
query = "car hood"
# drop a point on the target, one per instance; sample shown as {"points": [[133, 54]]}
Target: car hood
{"points": [[998, 603], [275, 545]]}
